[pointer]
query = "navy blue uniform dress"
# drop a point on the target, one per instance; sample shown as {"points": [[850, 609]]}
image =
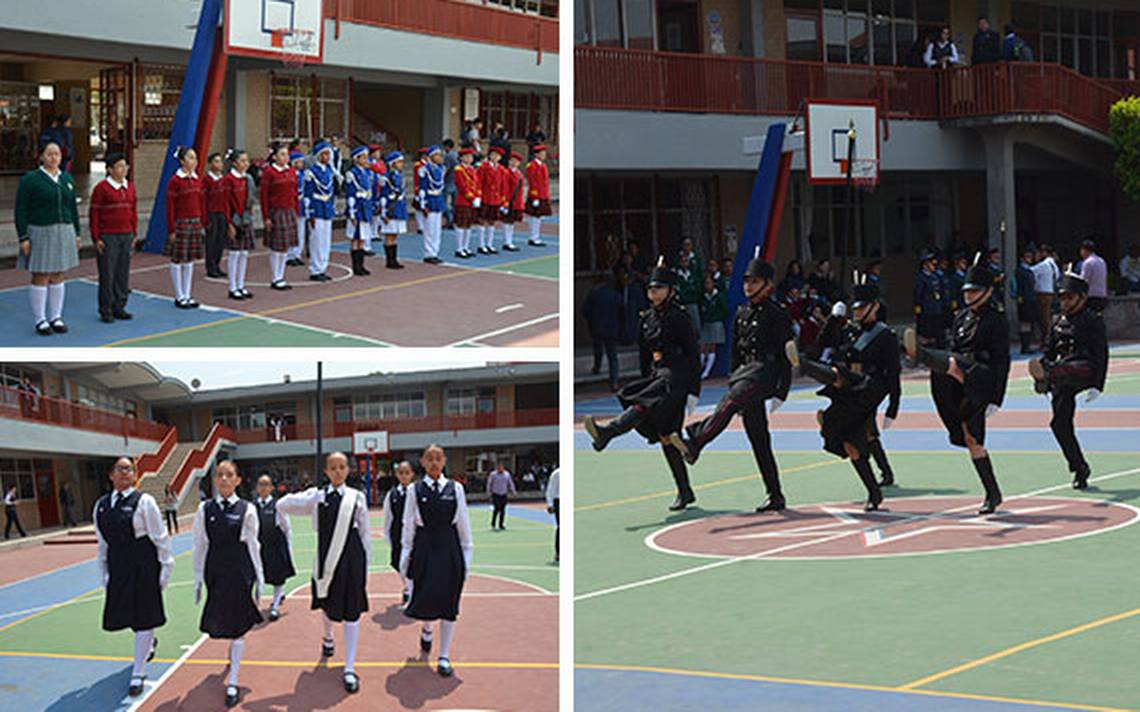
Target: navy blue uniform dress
{"points": [[134, 597], [230, 575], [437, 566]]}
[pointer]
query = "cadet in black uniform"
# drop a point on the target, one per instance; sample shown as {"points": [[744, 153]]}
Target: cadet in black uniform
{"points": [[929, 302], [848, 334], [761, 375], [227, 558], [670, 381], [276, 538], [436, 552], [968, 381], [858, 381], [344, 548], [394, 521], [136, 561], [1075, 360]]}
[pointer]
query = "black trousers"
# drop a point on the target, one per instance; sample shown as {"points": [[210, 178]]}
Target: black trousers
{"points": [[557, 527], [171, 520], [215, 242], [609, 347], [1097, 304], [499, 502], [69, 515], [746, 398], [115, 273], [1064, 408], [12, 518]]}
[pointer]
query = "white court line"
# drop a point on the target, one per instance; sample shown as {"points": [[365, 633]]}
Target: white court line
{"points": [[509, 307], [149, 688], [504, 330], [790, 547], [480, 594]]}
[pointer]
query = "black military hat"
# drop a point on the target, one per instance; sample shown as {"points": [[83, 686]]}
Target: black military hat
{"points": [[979, 277], [1074, 283], [862, 294], [757, 267], [662, 275]]}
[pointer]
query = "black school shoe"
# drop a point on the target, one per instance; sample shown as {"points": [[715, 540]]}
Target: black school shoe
{"points": [[58, 326], [444, 667], [682, 501], [237, 295], [772, 505], [106, 318], [123, 315], [43, 328], [1081, 478], [328, 648], [351, 683], [231, 695], [280, 285], [136, 688], [536, 243], [511, 248], [425, 643], [274, 614]]}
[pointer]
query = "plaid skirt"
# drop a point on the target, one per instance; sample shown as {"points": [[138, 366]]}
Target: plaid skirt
{"points": [[543, 208], [491, 214], [466, 216], [512, 216], [242, 239], [187, 243], [283, 234]]}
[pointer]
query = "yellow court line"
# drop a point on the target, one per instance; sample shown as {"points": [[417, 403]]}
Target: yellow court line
{"points": [[1017, 649], [77, 656], [37, 614], [459, 272], [846, 686], [708, 485]]}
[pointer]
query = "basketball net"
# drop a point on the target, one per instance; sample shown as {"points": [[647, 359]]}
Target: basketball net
{"points": [[864, 173], [295, 45]]}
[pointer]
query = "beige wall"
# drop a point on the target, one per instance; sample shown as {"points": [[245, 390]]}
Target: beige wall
{"points": [[256, 111], [399, 110]]}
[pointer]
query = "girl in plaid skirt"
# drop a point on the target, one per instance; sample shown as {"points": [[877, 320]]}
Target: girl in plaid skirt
{"points": [[239, 220], [185, 216], [279, 209]]}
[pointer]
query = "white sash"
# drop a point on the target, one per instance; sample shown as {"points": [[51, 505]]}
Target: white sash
{"points": [[336, 546]]}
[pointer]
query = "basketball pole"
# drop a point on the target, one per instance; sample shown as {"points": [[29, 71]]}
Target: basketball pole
{"points": [[850, 207], [320, 404], [214, 82]]}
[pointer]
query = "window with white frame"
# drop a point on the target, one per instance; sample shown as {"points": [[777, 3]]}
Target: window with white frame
{"points": [[388, 406], [11, 375], [241, 417], [21, 473], [469, 401], [96, 398], [300, 106]]}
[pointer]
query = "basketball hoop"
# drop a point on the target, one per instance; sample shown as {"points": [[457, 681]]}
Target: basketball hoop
{"points": [[864, 173], [296, 45]]}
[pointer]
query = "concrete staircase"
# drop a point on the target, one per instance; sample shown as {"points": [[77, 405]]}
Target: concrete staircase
{"points": [[155, 483]]}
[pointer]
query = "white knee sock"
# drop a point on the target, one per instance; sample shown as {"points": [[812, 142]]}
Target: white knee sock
{"points": [[425, 632], [509, 234], [328, 628], [232, 261], [237, 647], [242, 266], [478, 230], [144, 640], [187, 278], [55, 300], [351, 639], [490, 237], [278, 594], [535, 226], [446, 633], [38, 297], [176, 278], [459, 238], [710, 360]]}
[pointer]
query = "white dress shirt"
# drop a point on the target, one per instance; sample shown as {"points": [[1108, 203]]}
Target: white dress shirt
{"points": [[1045, 276], [388, 511], [412, 519], [147, 521], [249, 529], [552, 487], [310, 500]]}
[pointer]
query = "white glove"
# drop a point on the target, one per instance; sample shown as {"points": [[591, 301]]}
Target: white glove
{"points": [[990, 410], [691, 404], [404, 558], [774, 404], [1091, 395], [164, 576], [839, 309], [888, 422], [106, 579], [197, 593], [477, 202], [534, 203]]}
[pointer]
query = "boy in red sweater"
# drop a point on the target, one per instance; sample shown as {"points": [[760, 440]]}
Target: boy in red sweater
{"points": [[538, 197], [114, 229]]}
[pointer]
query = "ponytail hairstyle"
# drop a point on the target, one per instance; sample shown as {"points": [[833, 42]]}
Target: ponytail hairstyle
{"points": [[232, 155], [181, 151], [274, 148]]}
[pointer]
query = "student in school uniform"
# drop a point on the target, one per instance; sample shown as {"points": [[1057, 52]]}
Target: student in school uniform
{"points": [[514, 200], [492, 181], [417, 206], [393, 212], [359, 188], [295, 255], [538, 196], [552, 503], [215, 214], [319, 204], [239, 190], [11, 516], [276, 538], [394, 521], [340, 569], [114, 222], [227, 559], [279, 210], [468, 199], [436, 552], [430, 189], [135, 562], [185, 217]]}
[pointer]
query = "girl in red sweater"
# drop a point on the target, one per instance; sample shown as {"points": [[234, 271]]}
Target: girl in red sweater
{"points": [[239, 220], [185, 215], [279, 209], [215, 223]]}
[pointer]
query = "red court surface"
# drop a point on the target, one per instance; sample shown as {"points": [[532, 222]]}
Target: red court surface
{"points": [[25, 562], [505, 656]]}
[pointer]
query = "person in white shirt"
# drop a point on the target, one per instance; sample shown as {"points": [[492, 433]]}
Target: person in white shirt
{"points": [[552, 505], [1046, 275], [135, 563], [394, 521], [436, 552], [227, 558], [941, 52], [344, 548], [10, 514], [276, 538], [1130, 268]]}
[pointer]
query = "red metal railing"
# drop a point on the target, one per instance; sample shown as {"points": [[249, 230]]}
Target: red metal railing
{"points": [[612, 78], [197, 458], [307, 431], [153, 461], [461, 20], [24, 405]]}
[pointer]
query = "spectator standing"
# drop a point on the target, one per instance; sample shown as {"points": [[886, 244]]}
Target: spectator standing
{"points": [[1095, 272], [631, 297], [987, 43], [638, 262], [536, 136], [450, 161], [500, 485], [687, 248], [170, 509], [1025, 291], [501, 138], [1130, 269], [714, 312], [941, 52], [67, 504], [689, 283], [793, 279], [552, 492], [1014, 48], [11, 516], [1046, 277], [602, 310], [823, 281]]}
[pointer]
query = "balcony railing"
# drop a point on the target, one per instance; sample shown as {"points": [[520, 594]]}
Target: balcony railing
{"points": [[480, 421], [23, 405], [611, 78], [450, 18]]}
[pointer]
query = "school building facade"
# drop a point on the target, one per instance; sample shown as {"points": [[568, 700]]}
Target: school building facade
{"points": [[400, 74], [674, 98], [68, 422]]}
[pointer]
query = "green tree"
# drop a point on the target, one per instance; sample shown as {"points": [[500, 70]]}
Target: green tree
{"points": [[1124, 127]]}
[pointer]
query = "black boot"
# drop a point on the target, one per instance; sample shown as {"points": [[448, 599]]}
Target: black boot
{"points": [[687, 442], [358, 267], [775, 501], [363, 268], [685, 495], [880, 457], [1026, 341], [390, 254], [937, 360], [874, 494], [601, 435], [1081, 477], [985, 470]]}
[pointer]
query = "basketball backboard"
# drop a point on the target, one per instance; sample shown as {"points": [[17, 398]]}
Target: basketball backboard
{"points": [[828, 122], [370, 442], [256, 28]]}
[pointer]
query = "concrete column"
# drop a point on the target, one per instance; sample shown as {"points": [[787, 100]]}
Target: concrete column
{"points": [[1001, 205], [239, 106], [436, 111]]}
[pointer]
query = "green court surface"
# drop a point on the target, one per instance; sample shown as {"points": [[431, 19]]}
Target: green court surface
{"points": [[535, 267], [1054, 622]]}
